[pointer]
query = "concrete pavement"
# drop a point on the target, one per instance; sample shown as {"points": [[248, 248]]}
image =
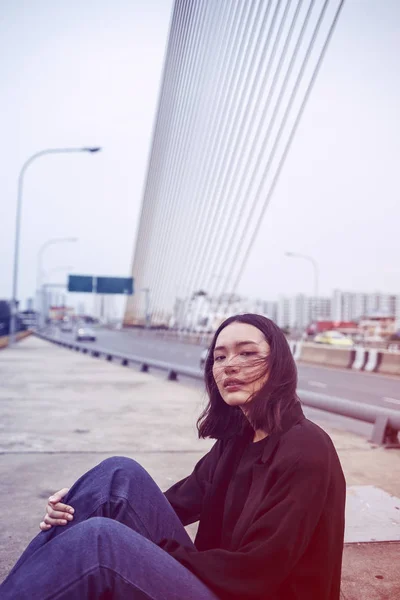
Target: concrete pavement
{"points": [[62, 412]]}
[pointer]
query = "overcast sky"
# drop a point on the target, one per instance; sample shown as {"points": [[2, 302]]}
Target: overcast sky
{"points": [[81, 73]]}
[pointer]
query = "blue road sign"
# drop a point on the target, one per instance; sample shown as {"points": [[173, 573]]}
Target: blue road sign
{"points": [[114, 285], [100, 285], [80, 283]]}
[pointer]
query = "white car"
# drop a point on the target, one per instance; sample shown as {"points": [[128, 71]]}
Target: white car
{"points": [[85, 334]]}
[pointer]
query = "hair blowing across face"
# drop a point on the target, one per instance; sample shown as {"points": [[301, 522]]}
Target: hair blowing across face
{"points": [[265, 410]]}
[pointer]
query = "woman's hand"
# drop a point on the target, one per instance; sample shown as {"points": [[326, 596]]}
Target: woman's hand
{"points": [[56, 512]]}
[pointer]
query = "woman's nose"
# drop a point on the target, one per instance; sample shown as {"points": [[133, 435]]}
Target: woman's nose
{"points": [[231, 366]]}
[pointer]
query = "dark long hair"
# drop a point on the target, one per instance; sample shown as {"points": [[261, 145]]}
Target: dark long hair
{"points": [[266, 408]]}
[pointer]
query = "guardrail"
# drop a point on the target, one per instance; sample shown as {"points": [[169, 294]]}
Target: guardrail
{"points": [[386, 422], [127, 359]]}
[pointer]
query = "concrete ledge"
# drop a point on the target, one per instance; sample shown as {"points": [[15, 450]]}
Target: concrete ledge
{"points": [[390, 363], [4, 339], [371, 571]]}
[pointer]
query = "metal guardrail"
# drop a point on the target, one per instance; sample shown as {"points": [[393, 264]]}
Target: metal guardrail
{"points": [[386, 422], [127, 359]]}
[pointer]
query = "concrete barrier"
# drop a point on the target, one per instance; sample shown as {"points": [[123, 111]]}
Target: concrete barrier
{"points": [[373, 361], [297, 350], [390, 363], [360, 358], [324, 355], [20, 336]]}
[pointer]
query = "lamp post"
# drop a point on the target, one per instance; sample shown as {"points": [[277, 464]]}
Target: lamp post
{"points": [[18, 223], [40, 292], [40, 255], [316, 279]]}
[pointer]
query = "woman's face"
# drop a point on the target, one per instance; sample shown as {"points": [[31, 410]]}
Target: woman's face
{"points": [[239, 367]]}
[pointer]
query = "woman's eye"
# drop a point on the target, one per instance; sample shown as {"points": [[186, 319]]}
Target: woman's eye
{"points": [[248, 353], [218, 358]]}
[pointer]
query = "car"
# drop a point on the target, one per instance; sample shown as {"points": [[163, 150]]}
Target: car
{"points": [[334, 338], [66, 326], [85, 334]]}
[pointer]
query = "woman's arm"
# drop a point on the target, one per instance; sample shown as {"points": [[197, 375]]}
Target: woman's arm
{"points": [[186, 497]]}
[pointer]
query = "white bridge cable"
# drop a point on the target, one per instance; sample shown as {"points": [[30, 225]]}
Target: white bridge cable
{"points": [[169, 196], [222, 143], [231, 58], [242, 131], [212, 151], [250, 172], [194, 207], [290, 140], [149, 203], [167, 201], [183, 170]]}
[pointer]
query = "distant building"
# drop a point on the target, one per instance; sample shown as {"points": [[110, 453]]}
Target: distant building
{"points": [[350, 306]]}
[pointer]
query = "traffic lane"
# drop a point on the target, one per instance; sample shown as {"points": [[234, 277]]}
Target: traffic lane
{"points": [[369, 388], [361, 387], [148, 347]]}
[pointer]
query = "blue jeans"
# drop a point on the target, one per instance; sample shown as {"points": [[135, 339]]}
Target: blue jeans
{"points": [[109, 550]]}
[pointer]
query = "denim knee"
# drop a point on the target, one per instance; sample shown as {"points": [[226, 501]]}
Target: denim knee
{"points": [[95, 537], [117, 463]]}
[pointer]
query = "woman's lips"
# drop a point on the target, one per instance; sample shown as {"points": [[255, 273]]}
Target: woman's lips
{"points": [[233, 387]]}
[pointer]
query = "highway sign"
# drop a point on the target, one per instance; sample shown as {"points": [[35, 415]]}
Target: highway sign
{"points": [[114, 285], [100, 285], [80, 283]]}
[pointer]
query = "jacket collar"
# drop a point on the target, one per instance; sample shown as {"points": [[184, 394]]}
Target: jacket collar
{"points": [[289, 420]]}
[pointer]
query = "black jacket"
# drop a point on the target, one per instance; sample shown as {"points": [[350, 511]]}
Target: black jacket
{"points": [[288, 542]]}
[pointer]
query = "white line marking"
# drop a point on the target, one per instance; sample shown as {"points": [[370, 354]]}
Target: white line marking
{"points": [[317, 384], [392, 400]]}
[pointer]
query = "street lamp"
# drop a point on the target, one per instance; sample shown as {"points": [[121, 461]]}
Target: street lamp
{"points": [[40, 255], [90, 149], [316, 277], [39, 287]]}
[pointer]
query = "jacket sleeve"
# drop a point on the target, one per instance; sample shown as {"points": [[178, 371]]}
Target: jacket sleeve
{"points": [[276, 539], [186, 497]]}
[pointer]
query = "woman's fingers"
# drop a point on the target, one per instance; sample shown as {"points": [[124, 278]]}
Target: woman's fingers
{"points": [[60, 507], [52, 521], [57, 513], [58, 495]]}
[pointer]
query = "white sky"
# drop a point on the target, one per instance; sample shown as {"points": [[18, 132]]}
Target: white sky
{"points": [[88, 73]]}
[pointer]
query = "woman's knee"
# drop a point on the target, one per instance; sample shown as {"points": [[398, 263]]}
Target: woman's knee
{"points": [[123, 473], [122, 463]]}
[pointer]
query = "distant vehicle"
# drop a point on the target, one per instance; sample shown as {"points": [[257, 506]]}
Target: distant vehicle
{"points": [[66, 326], [334, 338], [85, 334], [203, 358]]}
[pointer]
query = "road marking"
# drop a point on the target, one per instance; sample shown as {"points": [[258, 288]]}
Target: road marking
{"points": [[392, 400], [317, 384]]}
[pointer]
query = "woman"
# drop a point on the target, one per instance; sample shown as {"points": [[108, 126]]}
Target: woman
{"points": [[269, 496]]}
